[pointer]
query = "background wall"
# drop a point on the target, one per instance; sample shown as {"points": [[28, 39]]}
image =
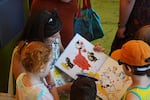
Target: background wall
{"points": [[12, 18]]}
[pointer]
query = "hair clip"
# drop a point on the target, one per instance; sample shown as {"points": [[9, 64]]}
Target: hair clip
{"points": [[23, 45], [26, 43], [50, 20]]}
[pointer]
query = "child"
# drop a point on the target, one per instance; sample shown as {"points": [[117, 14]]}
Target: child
{"points": [[43, 26], [83, 88], [36, 58], [135, 58]]}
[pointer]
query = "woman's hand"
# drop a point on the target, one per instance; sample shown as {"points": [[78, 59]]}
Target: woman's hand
{"points": [[120, 32]]}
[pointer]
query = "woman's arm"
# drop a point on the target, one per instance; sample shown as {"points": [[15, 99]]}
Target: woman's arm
{"points": [[126, 7]]}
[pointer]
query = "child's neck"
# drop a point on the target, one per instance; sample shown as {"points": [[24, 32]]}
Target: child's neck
{"points": [[142, 81], [32, 79]]}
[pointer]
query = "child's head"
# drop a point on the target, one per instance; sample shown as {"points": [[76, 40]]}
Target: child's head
{"points": [[143, 34], [36, 57], [42, 25], [83, 88], [134, 55]]}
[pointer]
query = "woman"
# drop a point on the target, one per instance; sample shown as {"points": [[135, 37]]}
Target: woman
{"points": [[133, 15]]}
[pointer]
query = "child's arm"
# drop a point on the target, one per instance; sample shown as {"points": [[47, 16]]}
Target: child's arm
{"points": [[131, 96], [51, 86], [60, 89], [98, 48], [54, 92], [65, 88]]}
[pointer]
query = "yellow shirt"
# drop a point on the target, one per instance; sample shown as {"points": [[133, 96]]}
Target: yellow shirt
{"points": [[141, 93]]}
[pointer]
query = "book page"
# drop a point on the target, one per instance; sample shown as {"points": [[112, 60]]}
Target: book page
{"points": [[113, 82], [79, 57]]}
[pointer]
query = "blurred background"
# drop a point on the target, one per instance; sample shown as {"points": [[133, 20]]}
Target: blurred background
{"points": [[108, 11]]}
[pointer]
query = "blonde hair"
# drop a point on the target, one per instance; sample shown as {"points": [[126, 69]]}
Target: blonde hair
{"points": [[34, 55]]}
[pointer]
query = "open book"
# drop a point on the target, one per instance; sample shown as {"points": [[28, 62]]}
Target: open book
{"points": [[79, 57]]}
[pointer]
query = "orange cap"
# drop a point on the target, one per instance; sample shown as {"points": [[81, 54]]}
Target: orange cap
{"points": [[134, 52]]}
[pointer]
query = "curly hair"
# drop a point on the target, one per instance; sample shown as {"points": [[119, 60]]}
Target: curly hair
{"points": [[34, 55]]}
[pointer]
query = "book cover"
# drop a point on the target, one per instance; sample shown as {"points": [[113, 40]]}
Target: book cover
{"points": [[79, 57]]}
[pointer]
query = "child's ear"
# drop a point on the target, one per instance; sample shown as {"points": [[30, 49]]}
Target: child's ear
{"points": [[128, 68]]}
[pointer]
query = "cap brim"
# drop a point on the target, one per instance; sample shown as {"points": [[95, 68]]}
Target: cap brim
{"points": [[116, 54], [86, 75]]}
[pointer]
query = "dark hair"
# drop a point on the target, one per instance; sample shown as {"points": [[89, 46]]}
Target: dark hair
{"points": [[83, 88], [143, 34], [41, 25], [136, 69]]}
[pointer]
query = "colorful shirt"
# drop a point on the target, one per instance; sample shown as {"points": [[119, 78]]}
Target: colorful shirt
{"points": [[35, 92], [141, 93]]}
